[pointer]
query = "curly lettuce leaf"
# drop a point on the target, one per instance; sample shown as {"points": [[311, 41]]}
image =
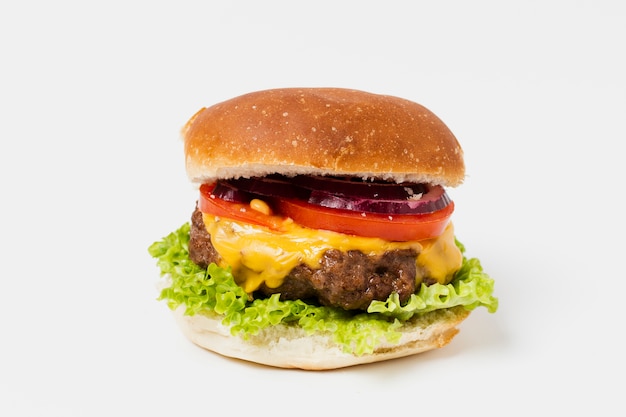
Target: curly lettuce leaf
{"points": [[214, 290], [470, 288]]}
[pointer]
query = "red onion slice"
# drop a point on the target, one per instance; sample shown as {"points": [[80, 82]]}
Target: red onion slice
{"points": [[434, 199], [355, 187], [229, 192], [273, 186], [340, 193]]}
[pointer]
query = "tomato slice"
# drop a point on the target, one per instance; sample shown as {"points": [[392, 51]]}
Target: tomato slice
{"points": [[209, 203], [397, 227]]}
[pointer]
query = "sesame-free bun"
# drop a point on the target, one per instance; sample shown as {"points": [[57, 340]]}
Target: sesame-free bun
{"points": [[285, 346], [321, 131]]}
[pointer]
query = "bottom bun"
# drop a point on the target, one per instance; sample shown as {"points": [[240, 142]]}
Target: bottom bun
{"points": [[290, 347]]}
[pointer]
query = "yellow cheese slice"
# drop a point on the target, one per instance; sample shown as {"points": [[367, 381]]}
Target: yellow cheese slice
{"points": [[259, 255]]}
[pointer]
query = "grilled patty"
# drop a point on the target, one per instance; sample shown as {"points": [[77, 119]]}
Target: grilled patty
{"points": [[349, 280]]}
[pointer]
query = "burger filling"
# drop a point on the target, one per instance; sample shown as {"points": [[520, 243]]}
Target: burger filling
{"points": [[323, 267]]}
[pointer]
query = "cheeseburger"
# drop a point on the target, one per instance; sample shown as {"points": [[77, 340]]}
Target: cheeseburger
{"points": [[321, 236]]}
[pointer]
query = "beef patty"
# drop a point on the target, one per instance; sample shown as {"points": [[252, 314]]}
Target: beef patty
{"points": [[350, 280]]}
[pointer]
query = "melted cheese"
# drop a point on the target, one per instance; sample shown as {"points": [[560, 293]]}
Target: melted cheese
{"points": [[258, 255], [440, 258]]}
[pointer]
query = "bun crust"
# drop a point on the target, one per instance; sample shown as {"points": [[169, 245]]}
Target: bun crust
{"points": [[321, 131], [290, 347]]}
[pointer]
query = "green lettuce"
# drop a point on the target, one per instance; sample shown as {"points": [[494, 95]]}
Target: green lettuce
{"points": [[214, 291]]}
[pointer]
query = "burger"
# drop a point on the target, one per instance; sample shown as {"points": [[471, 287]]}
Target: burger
{"points": [[321, 236]]}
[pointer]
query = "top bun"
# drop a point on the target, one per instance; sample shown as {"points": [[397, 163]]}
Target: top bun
{"points": [[321, 131]]}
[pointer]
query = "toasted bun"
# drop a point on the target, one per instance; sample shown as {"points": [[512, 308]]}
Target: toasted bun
{"points": [[321, 131], [290, 347]]}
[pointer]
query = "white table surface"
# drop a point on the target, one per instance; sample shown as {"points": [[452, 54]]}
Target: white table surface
{"points": [[92, 99]]}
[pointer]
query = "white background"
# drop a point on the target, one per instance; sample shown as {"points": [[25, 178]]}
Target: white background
{"points": [[92, 97]]}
